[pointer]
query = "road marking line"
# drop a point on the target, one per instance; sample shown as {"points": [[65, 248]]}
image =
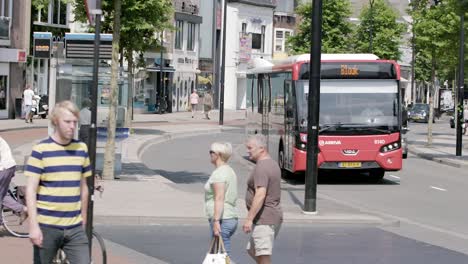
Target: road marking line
{"points": [[393, 176], [439, 189]]}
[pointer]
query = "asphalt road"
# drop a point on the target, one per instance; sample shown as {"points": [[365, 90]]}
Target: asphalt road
{"points": [[426, 198], [187, 244]]}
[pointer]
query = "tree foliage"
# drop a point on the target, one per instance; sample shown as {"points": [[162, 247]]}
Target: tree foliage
{"points": [[141, 20], [336, 28], [380, 23], [436, 30]]}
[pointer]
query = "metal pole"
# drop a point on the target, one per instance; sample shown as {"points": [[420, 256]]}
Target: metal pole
{"points": [[161, 94], [93, 127], [413, 62], [223, 68], [313, 108], [371, 29], [214, 52], [461, 80]]}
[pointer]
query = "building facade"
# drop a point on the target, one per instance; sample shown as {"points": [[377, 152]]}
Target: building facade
{"points": [[284, 24], [14, 46], [179, 59], [250, 35]]}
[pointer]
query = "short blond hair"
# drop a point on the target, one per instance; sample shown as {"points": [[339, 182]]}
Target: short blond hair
{"points": [[223, 149], [60, 107]]}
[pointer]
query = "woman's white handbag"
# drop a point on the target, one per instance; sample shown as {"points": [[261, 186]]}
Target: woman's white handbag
{"points": [[216, 253]]}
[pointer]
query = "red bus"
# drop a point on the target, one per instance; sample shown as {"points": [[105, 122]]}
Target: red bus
{"points": [[360, 112]]}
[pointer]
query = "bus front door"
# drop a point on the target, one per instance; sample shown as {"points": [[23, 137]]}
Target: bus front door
{"points": [[289, 125]]}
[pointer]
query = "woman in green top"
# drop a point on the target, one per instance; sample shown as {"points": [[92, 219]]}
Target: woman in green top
{"points": [[221, 194]]}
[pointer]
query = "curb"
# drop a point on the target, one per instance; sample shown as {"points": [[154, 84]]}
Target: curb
{"points": [[21, 128], [445, 161], [167, 137], [367, 220]]}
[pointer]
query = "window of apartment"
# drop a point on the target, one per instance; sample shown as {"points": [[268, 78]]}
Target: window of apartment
{"points": [[256, 41], [191, 36], [5, 19], [56, 13], [281, 35], [244, 28], [179, 34], [6, 8]]}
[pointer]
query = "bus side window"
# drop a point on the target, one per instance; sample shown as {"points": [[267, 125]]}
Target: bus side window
{"points": [[289, 103], [260, 93], [250, 92]]}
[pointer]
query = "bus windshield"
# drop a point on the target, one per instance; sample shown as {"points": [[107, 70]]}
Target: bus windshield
{"points": [[352, 106]]}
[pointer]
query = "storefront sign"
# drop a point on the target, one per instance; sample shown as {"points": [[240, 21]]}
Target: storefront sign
{"points": [[12, 55], [81, 46], [42, 48]]}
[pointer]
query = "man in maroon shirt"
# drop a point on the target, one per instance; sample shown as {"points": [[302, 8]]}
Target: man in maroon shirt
{"points": [[263, 200]]}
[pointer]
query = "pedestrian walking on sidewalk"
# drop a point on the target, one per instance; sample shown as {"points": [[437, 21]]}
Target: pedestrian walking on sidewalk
{"points": [[57, 193], [85, 121], [263, 201], [194, 101], [7, 172], [221, 195], [207, 103], [28, 96]]}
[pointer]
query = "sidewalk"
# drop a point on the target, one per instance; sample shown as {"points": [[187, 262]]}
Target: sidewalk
{"points": [[443, 146]]}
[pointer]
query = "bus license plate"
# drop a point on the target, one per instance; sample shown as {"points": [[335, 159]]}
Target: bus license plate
{"points": [[350, 164]]}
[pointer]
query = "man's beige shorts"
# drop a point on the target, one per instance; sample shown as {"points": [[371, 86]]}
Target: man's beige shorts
{"points": [[262, 238]]}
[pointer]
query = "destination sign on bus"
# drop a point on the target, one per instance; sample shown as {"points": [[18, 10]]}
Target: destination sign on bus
{"points": [[353, 70]]}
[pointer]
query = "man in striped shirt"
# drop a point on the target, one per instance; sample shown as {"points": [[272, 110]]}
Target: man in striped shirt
{"points": [[57, 193]]}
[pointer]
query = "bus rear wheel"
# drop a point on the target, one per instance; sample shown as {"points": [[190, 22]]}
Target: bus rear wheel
{"points": [[377, 174], [284, 173]]}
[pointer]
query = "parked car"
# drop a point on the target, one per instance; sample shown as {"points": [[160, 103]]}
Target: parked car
{"points": [[420, 112]]}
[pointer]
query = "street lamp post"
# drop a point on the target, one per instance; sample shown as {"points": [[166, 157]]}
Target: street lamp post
{"points": [[461, 81], [310, 199], [223, 68], [371, 27], [93, 127]]}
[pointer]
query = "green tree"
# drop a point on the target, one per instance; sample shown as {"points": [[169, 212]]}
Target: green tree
{"points": [[134, 24], [379, 26], [435, 29], [336, 28]]}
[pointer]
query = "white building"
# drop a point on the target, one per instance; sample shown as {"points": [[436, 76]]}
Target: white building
{"points": [[249, 35]]}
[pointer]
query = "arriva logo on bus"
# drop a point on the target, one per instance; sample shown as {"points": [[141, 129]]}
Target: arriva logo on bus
{"points": [[329, 142]]}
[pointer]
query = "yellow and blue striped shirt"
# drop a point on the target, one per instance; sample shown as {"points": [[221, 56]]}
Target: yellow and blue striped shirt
{"points": [[60, 169]]}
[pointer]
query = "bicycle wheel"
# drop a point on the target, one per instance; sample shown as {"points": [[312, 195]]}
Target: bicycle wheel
{"points": [[13, 224], [98, 250]]}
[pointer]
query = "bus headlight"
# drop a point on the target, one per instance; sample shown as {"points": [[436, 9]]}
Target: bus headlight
{"points": [[390, 147], [301, 145]]}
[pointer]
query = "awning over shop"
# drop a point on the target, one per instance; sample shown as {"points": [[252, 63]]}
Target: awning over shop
{"points": [[158, 69]]}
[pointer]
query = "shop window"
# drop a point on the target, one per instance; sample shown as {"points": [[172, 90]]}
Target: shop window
{"points": [[3, 92]]}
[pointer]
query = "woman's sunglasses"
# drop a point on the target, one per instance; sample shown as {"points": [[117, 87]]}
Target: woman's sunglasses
{"points": [[212, 152]]}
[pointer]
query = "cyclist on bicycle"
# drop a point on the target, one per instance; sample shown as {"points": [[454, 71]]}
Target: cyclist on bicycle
{"points": [[7, 172]]}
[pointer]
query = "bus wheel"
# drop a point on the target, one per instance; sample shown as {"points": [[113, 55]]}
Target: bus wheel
{"points": [[284, 173], [377, 174], [281, 158]]}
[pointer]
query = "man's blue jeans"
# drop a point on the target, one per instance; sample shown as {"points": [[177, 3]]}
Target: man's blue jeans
{"points": [[228, 228], [74, 242]]}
